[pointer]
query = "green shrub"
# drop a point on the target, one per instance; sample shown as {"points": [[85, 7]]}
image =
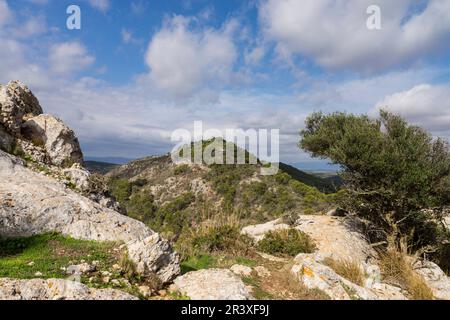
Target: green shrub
{"points": [[288, 242], [121, 189], [181, 169]]}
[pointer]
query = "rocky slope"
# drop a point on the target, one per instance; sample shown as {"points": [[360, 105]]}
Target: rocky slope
{"points": [[43, 190]]}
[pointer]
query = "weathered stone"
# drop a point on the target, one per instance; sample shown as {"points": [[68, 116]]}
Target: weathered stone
{"points": [[78, 176], [387, 292], [212, 284], [16, 102], [262, 272], [257, 232], [56, 289], [31, 204], [80, 269], [434, 277], [336, 236], [241, 270], [59, 141]]}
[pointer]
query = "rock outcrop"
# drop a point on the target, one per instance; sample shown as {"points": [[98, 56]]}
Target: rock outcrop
{"points": [[16, 103], [43, 137], [314, 274], [57, 139], [32, 203], [434, 277], [332, 235], [56, 289], [212, 284]]}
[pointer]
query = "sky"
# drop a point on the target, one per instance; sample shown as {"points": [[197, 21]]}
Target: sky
{"points": [[138, 70]]}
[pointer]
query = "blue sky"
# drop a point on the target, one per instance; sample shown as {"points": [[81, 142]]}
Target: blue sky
{"points": [[137, 70]]}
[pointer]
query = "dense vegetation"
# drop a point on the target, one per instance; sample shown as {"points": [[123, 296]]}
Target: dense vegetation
{"points": [[397, 175]]}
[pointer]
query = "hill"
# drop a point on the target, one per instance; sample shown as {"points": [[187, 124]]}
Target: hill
{"points": [[172, 198], [99, 167], [326, 184]]}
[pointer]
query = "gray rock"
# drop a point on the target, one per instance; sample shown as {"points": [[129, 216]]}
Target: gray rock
{"points": [[59, 141], [212, 284], [434, 277], [257, 232], [31, 204], [16, 102], [80, 269], [56, 289], [241, 270]]}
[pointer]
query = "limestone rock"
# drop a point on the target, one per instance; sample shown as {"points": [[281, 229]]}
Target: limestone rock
{"points": [[16, 102], [262, 272], [212, 284], [332, 235], [257, 232], [56, 289], [241, 270], [32, 203], [434, 277], [78, 176], [336, 236], [80, 269], [388, 292], [59, 141]]}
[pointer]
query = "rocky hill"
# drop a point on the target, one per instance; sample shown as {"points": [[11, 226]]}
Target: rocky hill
{"points": [[171, 198], [151, 229]]}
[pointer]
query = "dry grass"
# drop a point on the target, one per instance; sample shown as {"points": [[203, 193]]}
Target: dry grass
{"points": [[348, 269], [397, 270], [282, 285]]}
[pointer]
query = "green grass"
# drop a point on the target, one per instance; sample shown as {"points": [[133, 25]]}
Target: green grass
{"points": [[198, 263], [49, 253], [208, 261]]}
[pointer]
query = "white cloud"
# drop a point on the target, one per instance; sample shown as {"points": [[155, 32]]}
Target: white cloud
{"points": [[334, 33], [101, 5], [69, 57], [183, 58], [425, 104], [5, 13]]}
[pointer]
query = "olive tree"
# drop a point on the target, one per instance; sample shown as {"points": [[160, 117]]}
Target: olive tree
{"points": [[397, 176]]}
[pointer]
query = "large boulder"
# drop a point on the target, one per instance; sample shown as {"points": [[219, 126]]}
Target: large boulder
{"points": [[16, 103], [58, 140], [212, 284], [434, 277], [337, 236], [258, 231], [56, 289], [310, 270], [32, 203]]}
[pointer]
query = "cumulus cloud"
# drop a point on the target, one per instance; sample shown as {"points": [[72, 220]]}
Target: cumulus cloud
{"points": [[69, 57], [5, 13], [425, 104], [183, 57], [334, 33], [101, 5]]}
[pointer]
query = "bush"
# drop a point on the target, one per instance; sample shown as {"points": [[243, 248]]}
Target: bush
{"points": [[121, 189], [219, 235], [181, 169], [392, 170], [288, 242]]}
